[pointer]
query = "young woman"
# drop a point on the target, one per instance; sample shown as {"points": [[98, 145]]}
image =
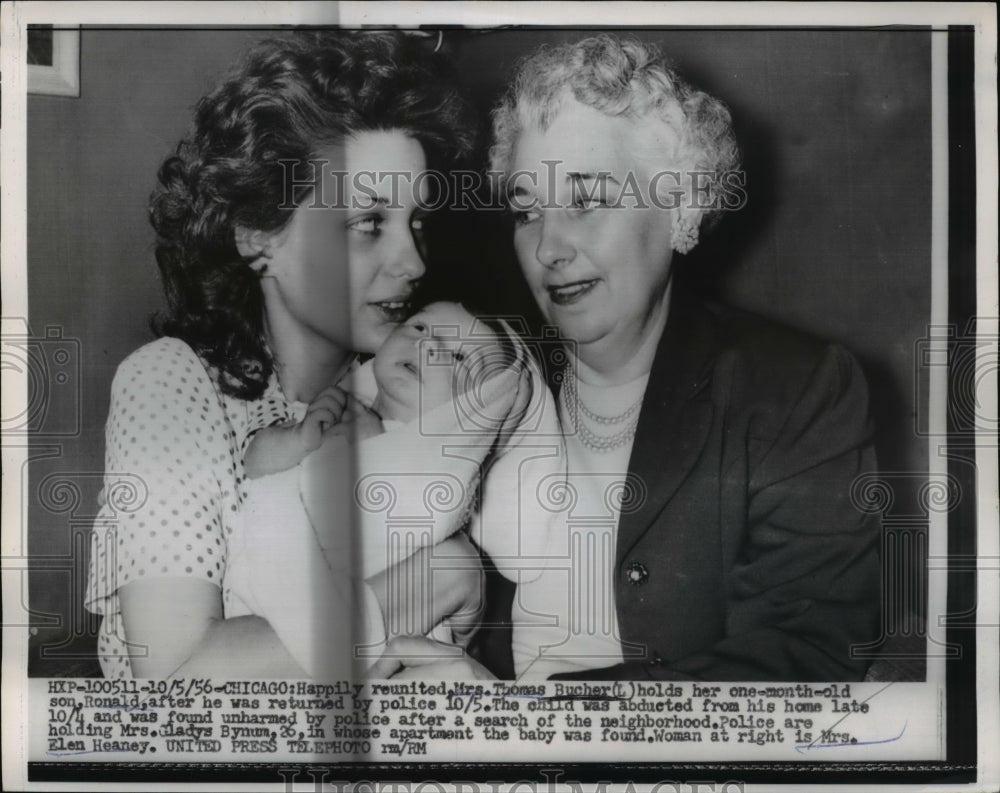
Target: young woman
{"points": [[280, 264]]}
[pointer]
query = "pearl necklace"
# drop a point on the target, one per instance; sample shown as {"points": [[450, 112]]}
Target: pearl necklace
{"points": [[599, 443]]}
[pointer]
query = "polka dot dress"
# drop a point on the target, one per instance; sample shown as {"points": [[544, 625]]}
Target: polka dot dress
{"points": [[173, 480]]}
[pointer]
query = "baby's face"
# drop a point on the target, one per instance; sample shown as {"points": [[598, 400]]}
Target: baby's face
{"points": [[436, 355]]}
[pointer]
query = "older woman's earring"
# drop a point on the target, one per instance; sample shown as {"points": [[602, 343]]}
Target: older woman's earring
{"points": [[684, 235]]}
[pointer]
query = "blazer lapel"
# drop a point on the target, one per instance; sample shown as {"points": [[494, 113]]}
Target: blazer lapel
{"points": [[675, 417]]}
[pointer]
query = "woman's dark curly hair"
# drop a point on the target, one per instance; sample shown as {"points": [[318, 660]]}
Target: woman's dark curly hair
{"points": [[289, 99]]}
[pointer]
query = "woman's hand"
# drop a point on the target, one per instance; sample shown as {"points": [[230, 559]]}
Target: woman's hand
{"points": [[416, 657], [460, 567], [441, 581], [445, 581]]}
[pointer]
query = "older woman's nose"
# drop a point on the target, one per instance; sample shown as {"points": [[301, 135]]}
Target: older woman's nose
{"points": [[554, 245]]}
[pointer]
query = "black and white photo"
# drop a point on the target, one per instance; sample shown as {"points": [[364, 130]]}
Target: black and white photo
{"points": [[619, 393]]}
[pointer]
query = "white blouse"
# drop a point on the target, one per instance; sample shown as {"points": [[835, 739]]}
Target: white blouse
{"points": [[566, 620], [173, 483]]}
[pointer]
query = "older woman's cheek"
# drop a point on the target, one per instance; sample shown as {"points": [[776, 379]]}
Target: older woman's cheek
{"points": [[525, 249]]}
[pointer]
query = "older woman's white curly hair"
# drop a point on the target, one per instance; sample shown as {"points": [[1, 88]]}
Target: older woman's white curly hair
{"points": [[620, 77]]}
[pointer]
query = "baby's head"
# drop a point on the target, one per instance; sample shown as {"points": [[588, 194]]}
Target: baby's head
{"points": [[436, 355]]}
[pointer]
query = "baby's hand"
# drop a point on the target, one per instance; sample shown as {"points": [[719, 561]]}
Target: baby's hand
{"points": [[357, 422], [324, 412]]}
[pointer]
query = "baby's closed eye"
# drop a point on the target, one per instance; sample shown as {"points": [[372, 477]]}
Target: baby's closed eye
{"points": [[443, 356]]}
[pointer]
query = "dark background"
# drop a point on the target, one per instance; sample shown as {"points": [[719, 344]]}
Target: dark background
{"points": [[835, 128]]}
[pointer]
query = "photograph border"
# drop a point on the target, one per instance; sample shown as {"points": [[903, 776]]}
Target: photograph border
{"points": [[966, 717]]}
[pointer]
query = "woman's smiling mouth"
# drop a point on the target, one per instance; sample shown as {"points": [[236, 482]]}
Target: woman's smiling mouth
{"points": [[567, 294], [394, 311]]}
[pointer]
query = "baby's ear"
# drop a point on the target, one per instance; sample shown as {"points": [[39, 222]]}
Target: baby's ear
{"points": [[254, 245]]}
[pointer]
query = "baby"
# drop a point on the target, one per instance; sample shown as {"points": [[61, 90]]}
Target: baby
{"points": [[445, 473], [439, 354], [458, 351]]}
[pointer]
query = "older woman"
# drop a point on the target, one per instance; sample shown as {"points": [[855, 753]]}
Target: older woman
{"points": [[709, 531], [276, 279]]}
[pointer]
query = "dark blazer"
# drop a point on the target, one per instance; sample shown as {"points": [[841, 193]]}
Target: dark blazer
{"points": [[744, 557]]}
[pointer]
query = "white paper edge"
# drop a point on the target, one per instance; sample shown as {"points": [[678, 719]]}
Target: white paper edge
{"points": [[15, 15]]}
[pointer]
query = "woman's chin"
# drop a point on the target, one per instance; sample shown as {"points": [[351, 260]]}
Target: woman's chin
{"points": [[577, 326], [368, 336]]}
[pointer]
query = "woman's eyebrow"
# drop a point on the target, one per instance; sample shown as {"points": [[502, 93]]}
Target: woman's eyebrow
{"points": [[589, 176], [366, 201], [517, 191]]}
